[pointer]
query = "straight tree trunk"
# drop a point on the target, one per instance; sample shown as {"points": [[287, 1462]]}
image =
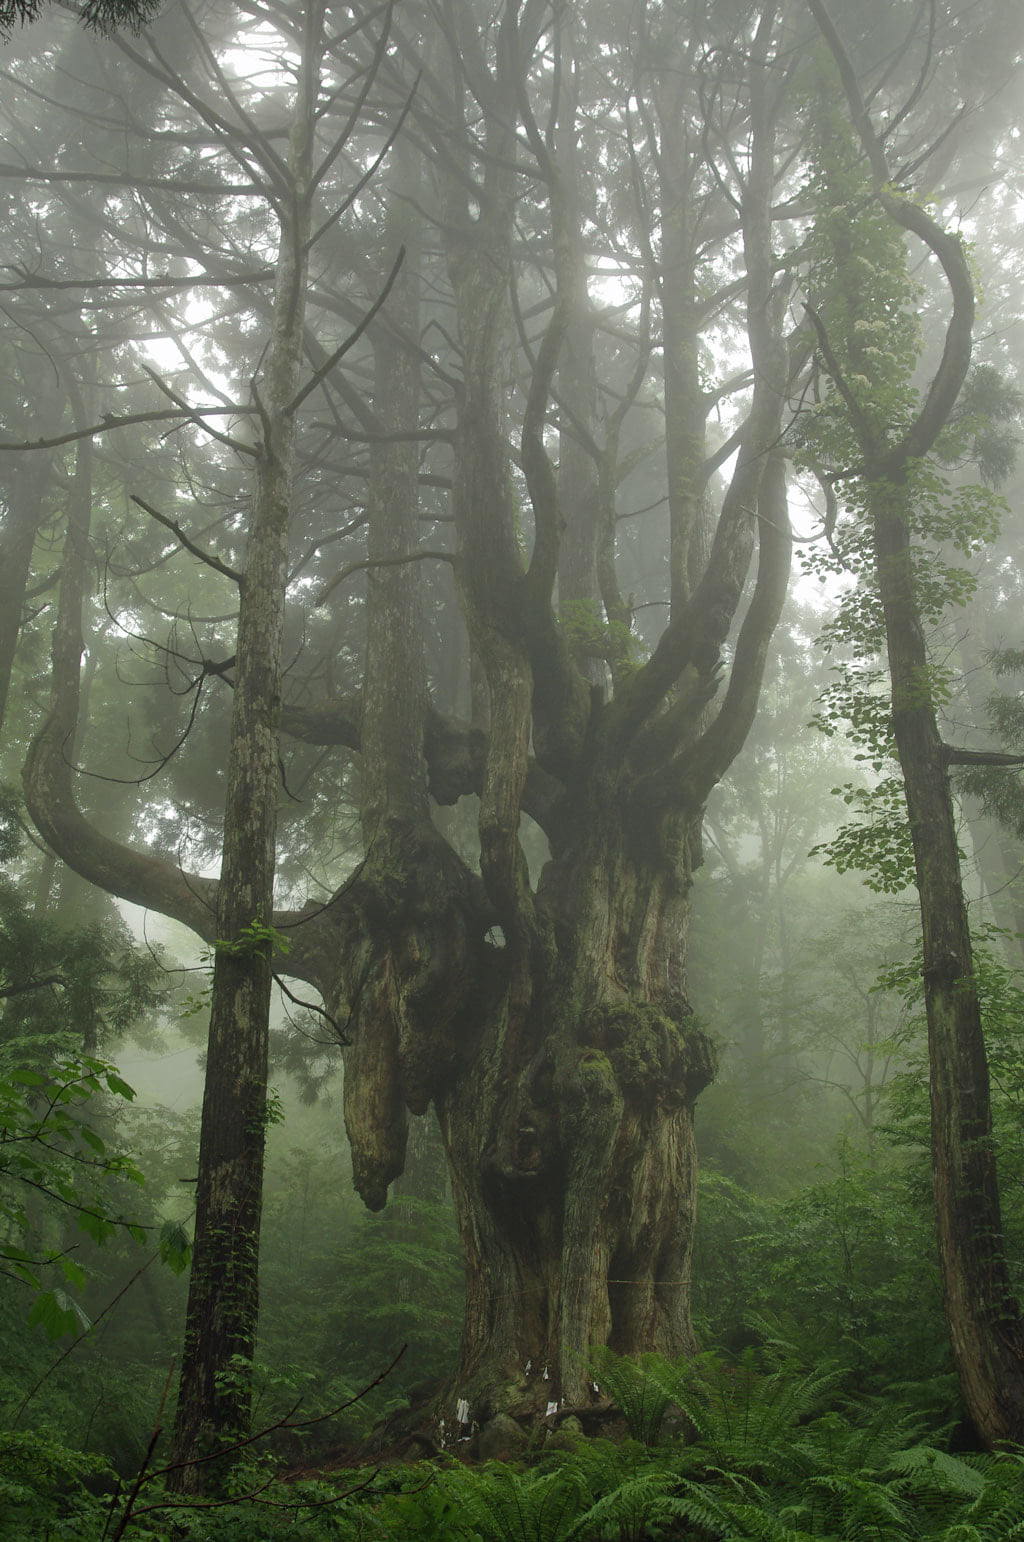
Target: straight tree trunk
{"points": [[982, 1312], [215, 1392]]}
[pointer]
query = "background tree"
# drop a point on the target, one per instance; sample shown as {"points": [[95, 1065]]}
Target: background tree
{"points": [[896, 494]]}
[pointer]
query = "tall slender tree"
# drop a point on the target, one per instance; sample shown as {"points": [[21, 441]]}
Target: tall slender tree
{"points": [[223, 1304], [868, 342]]}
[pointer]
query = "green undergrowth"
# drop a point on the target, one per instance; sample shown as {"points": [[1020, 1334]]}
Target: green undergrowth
{"points": [[721, 1449]]}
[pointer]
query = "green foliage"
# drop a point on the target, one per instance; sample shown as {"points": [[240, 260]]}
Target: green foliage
{"points": [[743, 1417], [863, 308], [636, 1392], [175, 1247], [879, 845], [984, 428], [1000, 989], [342, 1290], [51, 1153], [1000, 790], [764, 1449], [255, 939], [591, 637], [47, 1490], [538, 1505], [103, 16], [755, 1447], [848, 1272]]}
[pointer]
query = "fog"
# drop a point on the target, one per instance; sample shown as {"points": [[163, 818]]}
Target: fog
{"points": [[510, 683]]}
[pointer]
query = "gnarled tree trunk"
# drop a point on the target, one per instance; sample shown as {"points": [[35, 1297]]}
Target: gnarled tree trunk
{"points": [[570, 1136], [544, 1015]]}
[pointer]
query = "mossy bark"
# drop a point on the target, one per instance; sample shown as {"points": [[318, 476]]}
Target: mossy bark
{"points": [[982, 1311]]}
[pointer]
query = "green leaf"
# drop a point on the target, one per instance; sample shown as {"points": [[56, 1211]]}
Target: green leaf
{"points": [[57, 1313], [175, 1247], [118, 1085], [96, 1226], [72, 1272]]}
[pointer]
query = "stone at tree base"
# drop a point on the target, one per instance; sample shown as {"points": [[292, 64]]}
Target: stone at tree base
{"points": [[502, 1439], [567, 1436]]}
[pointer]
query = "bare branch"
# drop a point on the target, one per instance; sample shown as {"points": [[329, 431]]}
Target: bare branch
{"points": [[383, 562], [190, 546], [197, 417], [955, 757], [350, 341], [109, 421]]}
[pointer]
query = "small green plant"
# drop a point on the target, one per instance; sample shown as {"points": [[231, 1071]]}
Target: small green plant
{"points": [[255, 938]]}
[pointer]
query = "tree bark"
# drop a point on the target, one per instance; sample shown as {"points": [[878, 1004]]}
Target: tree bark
{"points": [[26, 490], [569, 1129], [215, 1394], [982, 1313]]}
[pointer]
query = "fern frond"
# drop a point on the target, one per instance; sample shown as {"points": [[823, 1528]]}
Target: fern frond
{"points": [[631, 1512], [758, 1525], [508, 1506], [855, 1505], [635, 1390], [744, 1417], [931, 1468]]}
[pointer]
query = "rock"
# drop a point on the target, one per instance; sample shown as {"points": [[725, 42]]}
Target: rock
{"points": [[502, 1440], [567, 1436]]}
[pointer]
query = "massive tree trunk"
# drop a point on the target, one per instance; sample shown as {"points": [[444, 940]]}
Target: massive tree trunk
{"points": [[560, 1048], [569, 1130]]}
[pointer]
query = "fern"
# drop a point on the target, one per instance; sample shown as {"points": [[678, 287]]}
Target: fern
{"points": [[860, 1505], [759, 1526], [743, 1418], [638, 1508], [635, 1390], [996, 1514], [506, 1506], [768, 1457], [930, 1469]]}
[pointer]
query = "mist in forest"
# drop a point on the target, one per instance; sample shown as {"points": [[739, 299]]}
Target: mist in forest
{"points": [[510, 685]]}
